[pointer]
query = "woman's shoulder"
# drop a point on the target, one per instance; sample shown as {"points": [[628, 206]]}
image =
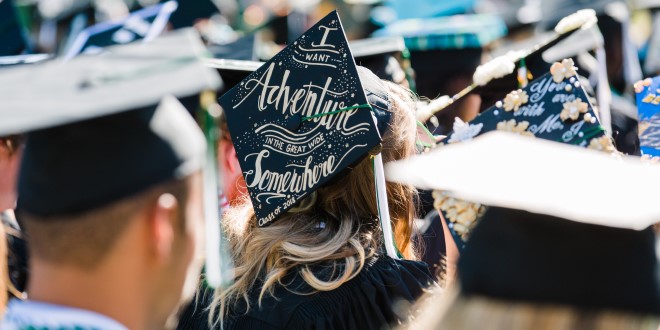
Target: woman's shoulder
{"points": [[370, 300]]}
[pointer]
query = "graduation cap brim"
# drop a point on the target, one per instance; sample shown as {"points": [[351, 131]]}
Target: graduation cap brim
{"points": [[506, 170], [122, 78], [7, 61], [377, 46], [232, 71]]}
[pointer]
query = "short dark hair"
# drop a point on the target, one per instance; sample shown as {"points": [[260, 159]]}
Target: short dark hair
{"points": [[84, 239]]}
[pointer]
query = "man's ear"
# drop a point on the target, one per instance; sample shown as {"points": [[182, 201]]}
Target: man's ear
{"points": [[162, 222]]}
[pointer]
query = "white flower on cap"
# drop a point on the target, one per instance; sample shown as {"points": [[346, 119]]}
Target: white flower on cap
{"points": [[425, 112], [584, 18], [464, 131], [497, 67]]}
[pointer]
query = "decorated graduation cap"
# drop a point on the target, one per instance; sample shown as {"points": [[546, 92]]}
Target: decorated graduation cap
{"points": [[144, 24], [648, 107], [553, 107], [109, 126], [554, 228], [302, 118]]}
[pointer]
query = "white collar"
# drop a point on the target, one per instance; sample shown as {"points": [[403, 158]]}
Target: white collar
{"points": [[23, 314]]}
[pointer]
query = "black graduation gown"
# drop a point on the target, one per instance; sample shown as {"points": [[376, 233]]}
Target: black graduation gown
{"points": [[377, 298]]}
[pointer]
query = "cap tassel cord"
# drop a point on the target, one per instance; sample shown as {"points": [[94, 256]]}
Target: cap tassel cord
{"points": [[383, 209], [218, 266]]}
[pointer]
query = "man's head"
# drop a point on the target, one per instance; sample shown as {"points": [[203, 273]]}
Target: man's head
{"points": [[117, 200]]}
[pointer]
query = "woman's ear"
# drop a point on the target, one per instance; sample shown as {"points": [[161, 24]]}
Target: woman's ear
{"points": [[229, 160], [162, 221]]}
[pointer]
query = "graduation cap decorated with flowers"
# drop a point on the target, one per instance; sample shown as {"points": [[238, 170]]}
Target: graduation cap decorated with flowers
{"points": [[648, 108], [494, 79], [302, 118], [553, 107]]}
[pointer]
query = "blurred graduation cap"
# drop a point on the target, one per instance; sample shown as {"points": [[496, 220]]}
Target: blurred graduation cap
{"points": [[553, 107], [9, 61], [387, 57], [614, 22], [144, 24], [444, 47], [648, 106], [244, 49], [579, 225], [120, 105], [190, 11], [652, 60], [496, 78], [232, 72], [12, 37], [302, 118], [406, 9]]}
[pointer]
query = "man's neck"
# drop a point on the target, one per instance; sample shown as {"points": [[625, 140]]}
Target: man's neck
{"points": [[105, 290]]}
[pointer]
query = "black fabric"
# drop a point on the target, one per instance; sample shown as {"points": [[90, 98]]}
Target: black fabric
{"points": [[12, 40], [376, 298], [434, 69], [85, 165], [433, 244], [378, 97], [625, 133], [520, 256]]}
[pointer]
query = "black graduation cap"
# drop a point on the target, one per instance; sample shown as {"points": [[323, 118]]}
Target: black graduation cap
{"points": [[231, 71], [300, 119], [553, 107], [387, 57], [109, 126], [585, 241], [12, 38], [190, 11], [243, 49], [144, 24], [530, 62], [82, 117], [89, 87], [444, 47], [9, 61]]}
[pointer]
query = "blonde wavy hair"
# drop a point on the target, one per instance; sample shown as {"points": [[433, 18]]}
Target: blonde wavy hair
{"points": [[338, 223]]}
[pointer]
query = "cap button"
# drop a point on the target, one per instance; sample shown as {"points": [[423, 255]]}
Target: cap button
{"points": [[293, 123]]}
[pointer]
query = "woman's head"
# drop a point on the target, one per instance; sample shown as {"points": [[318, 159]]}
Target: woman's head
{"points": [[337, 223]]}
